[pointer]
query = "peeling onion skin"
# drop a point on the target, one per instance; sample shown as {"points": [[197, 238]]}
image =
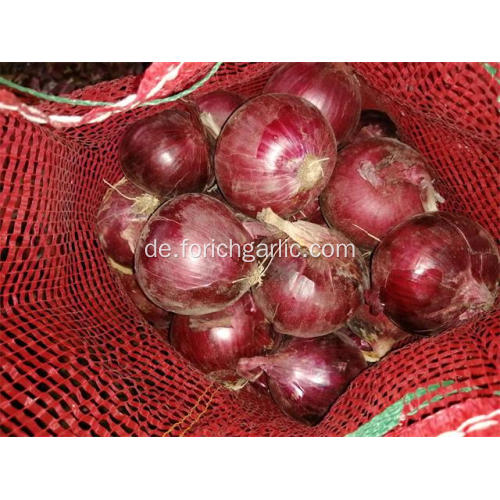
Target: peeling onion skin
{"points": [[306, 376], [333, 89], [215, 342], [311, 213], [275, 151], [434, 272], [216, 107], [188, 284], [124, 210], [374, 123], [155, 315], [308, 296], [376, 184], [376, 332], [168, 153]]}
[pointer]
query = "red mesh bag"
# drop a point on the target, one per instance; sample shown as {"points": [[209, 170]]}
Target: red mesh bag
{"points": [[78, 359]]}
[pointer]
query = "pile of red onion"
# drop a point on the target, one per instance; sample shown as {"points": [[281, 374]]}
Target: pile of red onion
{"points": [[269, 260]]}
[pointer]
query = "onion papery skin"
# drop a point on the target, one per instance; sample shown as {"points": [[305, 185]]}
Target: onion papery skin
{"points": [[194, 282], [434, 272], [124, 210], [333, 89], [377, 333], [275, 151], [374, 123], [168, 153], [377, 184], [306, 376], [216, 107], [155, 315], [215, 342], [308, 296]]}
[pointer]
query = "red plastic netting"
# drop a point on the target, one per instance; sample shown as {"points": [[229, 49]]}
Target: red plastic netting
{"points": [[76, 357]]}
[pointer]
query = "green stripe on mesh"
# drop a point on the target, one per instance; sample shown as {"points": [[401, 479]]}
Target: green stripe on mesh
{"points": [[388, 419]]}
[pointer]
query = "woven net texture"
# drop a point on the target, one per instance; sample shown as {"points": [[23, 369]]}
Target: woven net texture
{"points": [[77, 359]]}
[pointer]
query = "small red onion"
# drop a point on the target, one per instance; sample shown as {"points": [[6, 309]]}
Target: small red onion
{"points": [[190, 274], [377, 184], [306, 295], [374, 124], [155, 315], [124, 210], [275, 151], [168, 153], [216, 107], [306, 376], [435, 271], [215, 342], [377, 333], [333, 88]]}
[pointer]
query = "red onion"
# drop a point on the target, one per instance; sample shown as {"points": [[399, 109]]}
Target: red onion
{"points": [[435, 271], [215, 342], [124, 210], [168, 153], [374, 124], [304, 294], [306, 376], [377, 333], [377, 184], [334, 89], [190, 274], [216, 107], [155, 315], [275, 151]]}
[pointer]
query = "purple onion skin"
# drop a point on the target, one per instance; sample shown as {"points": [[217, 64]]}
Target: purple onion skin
{"points": [[155, 315], [216, 107], [306, 376], [310, 296], [435, 271], [374, 124], [215, 342], [275, 151], [188, 284], [331, 88], [376, 184], [168, 153]]}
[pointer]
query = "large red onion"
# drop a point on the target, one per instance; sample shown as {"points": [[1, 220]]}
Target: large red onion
{"points": [[377, 184], [334, 89], [215, 342], [124, 210], [216, 107], [168, 153], [306, 376], [377, 333], [191, 274], [303, 292], [374, 124], [275, 151], [435, 271]]}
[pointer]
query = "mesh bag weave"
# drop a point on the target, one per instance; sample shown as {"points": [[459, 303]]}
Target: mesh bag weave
{"points": [[78, 359]]}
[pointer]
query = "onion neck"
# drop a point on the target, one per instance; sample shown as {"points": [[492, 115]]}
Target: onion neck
{"points": [[145, 204], [118, 267], [430, 197], [304, 233], [310, 172], [209, 123]]}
